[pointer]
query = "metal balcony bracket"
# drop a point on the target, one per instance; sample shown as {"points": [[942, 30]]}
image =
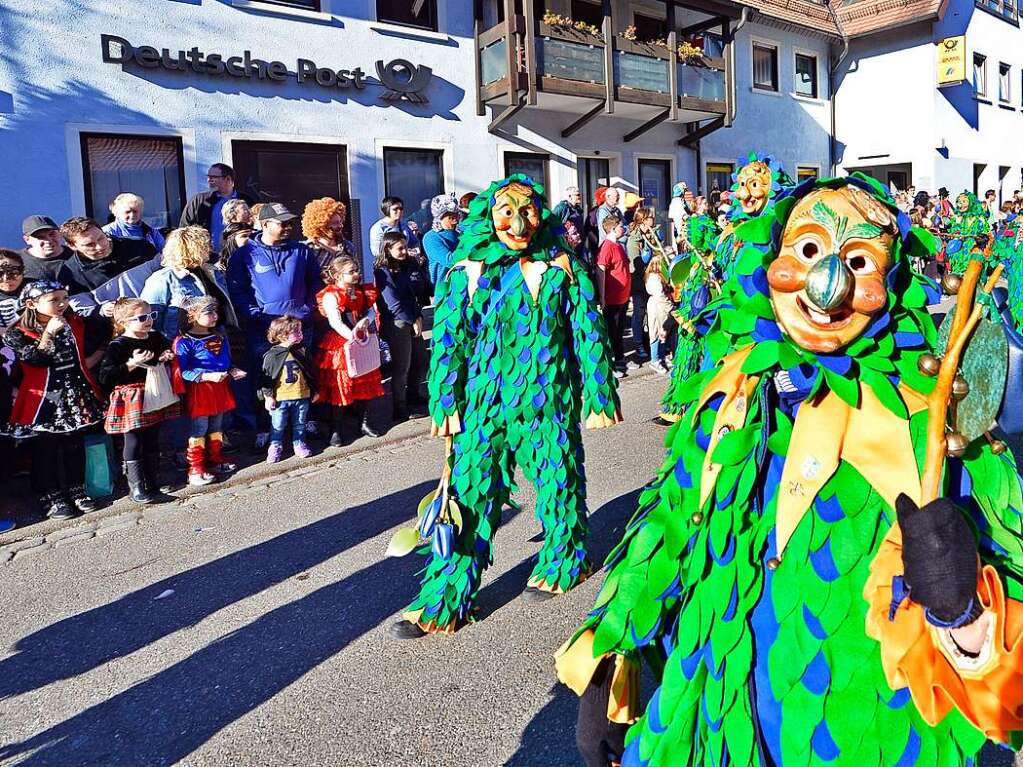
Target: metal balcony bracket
{"points": [[653, 122], [578, 124], [690, 139]]}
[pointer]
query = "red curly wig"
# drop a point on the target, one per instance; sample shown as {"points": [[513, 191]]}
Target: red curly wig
{"points": [[316, 215]]}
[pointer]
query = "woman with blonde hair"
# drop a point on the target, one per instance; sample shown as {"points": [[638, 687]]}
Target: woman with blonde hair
{"points": [[323, 225], [127, 209], [186, 273]]}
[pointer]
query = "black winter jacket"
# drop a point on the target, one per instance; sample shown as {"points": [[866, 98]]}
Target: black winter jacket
{"points": [[273, 361], [199, 211]]}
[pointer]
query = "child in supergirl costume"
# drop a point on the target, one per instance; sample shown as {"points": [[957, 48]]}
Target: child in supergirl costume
{"points": [[348, 306], [58, 398], [123, 372], [204, 373]]}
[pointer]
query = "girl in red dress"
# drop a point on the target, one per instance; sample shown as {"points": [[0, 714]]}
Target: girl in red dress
{"points": [[347, 305]]}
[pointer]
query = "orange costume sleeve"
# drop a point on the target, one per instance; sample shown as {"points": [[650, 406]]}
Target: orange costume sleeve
{"points": [[987, 690]]}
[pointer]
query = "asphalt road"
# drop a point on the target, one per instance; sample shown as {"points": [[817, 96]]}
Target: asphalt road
{"points": [[273, 647], [254, 631]]}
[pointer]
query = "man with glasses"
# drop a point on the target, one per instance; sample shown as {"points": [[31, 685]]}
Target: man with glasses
{"points": [[205, 208], [45, 250], [393, 209]]}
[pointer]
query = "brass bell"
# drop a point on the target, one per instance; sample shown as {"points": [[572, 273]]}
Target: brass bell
{"points": [[950, 283], [960, 387], [928, 364], [697, 518], [998, 447], [956, 444]]}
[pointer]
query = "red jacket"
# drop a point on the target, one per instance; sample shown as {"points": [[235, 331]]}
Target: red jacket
{"points": [[36, 374]]}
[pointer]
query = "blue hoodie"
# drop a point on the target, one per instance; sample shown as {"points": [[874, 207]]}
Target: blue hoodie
{"points": [[268, 281]]}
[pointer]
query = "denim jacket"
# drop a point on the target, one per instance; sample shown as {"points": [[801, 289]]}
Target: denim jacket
{"points": [[166, 290]]}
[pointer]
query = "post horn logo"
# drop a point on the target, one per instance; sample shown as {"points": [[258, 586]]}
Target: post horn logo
{"points": [[404, 80]]}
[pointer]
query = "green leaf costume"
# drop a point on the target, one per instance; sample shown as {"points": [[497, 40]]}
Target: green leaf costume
{"points": [[762, 654], [962, 246], [512, 363], [690, 350]]}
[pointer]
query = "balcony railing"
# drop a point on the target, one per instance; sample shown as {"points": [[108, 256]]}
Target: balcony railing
{"points": [[570, 62]]}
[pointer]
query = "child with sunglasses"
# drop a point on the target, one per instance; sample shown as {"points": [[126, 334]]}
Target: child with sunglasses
{"points": [[122, 373], [204, 365], [12, 276]]}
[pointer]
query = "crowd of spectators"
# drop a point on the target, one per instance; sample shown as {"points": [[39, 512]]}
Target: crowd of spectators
{"points": [[121, 339]]}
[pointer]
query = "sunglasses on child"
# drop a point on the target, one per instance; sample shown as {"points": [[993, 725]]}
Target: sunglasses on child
{"points": [[7, 272], [151, 316]]}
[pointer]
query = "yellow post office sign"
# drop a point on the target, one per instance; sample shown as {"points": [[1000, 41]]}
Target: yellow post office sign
{"points": [[952, 60]]}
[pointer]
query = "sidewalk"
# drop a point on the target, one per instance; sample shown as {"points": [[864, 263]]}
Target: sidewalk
{"points": [[252, 477]]}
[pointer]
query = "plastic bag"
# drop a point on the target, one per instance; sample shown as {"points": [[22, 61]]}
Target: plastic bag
{"points": [[159, 392], [99, 475], [363, 356]]}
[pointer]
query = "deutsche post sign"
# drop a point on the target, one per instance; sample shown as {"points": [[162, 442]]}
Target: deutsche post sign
{"points": [[952, 61]]}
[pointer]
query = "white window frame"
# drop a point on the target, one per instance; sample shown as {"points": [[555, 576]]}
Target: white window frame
{"points": [[977, 91], [382, 25], [807, 165], [447, 159], [76, 167], [765, 43], [1004, 77], [704, 171], [817, 74]]}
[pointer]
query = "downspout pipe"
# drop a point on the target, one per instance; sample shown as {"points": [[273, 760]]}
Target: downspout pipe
{"points": [[743, 18], [833, 67]]}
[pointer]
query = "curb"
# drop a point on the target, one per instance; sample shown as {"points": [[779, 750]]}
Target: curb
{"points": [[24, 543]]}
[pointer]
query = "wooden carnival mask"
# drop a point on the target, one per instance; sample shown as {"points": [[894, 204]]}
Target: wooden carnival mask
{"points": [[828, 280], [754, 182], [516, 216]]}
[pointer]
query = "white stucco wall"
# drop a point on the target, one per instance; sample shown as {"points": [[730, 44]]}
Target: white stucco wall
{"points": [[889, 109], [46, 101], [793, 129]]}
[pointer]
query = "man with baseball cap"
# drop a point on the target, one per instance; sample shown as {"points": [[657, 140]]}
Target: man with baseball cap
{"points": [[270, 276], [45, 251]]}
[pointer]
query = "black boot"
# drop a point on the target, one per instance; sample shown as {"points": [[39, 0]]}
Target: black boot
{"points": [[336, 418], [137, 482], [362, 413], [151, 472]]}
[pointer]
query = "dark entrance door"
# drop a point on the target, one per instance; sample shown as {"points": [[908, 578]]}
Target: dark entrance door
{"points": [[293, 173], [593, 172], [655, 188]]}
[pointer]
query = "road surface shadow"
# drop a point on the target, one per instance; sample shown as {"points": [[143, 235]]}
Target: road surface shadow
{"points": [[86, 641], [606, 525], [164, 718]]}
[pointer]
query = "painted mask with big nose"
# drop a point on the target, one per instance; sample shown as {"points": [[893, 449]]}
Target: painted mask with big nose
{"points": [[516, 216], [828, 281]]}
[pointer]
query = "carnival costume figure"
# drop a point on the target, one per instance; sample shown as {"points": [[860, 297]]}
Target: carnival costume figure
{"points": [[520, 354], [967, 232], [803, 592], [756, 186]]}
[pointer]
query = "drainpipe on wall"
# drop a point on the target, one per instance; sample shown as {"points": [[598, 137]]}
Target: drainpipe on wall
{"points": [[743, 18], [833, 65]]}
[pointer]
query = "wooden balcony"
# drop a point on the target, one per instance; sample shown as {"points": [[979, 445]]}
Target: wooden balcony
{"points": [[574, 71]]}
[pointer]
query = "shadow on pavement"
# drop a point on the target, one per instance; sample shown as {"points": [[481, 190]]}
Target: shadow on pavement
{"points": [[550, 737], [161, 720], [605, 525], [88, 640]]}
